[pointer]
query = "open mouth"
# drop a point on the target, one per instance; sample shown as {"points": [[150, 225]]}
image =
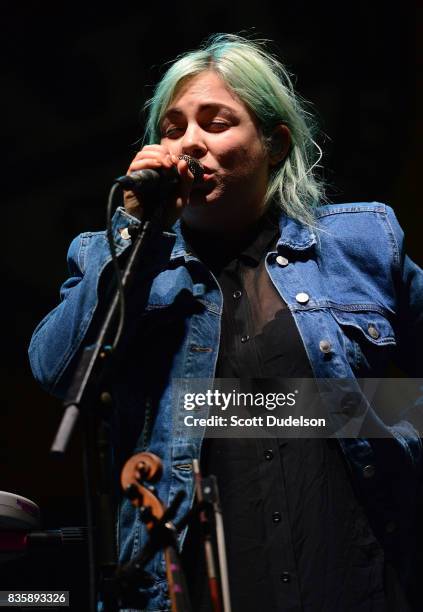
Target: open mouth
{"points": [[207, 181], [201, 173]]}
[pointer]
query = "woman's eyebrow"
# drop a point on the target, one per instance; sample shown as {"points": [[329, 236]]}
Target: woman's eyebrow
{"points": [[176, 110]]}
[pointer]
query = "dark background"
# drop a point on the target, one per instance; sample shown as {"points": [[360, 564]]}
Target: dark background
{"points": [[74, 80]]}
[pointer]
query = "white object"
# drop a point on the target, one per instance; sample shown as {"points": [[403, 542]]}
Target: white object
{"points": [[18, 513]]}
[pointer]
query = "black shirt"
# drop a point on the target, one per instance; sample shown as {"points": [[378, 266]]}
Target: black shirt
{"points": [[297, 538]]}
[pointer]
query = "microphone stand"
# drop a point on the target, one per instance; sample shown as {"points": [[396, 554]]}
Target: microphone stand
{"points": [[95, 362]]}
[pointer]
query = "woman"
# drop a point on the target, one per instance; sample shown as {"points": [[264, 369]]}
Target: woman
{"points": [[285, 287]]}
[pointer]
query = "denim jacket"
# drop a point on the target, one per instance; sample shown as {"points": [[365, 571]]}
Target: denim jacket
{"points": [[342, 281]]}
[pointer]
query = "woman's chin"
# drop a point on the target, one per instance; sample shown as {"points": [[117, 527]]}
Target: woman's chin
{"points": [[205, 211]]}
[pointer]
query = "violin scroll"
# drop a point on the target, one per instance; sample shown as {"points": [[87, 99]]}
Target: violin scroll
{"points": [[137, 471]]}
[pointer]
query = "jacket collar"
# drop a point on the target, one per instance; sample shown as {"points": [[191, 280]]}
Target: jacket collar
{"points": [[180, 248], [294, 235]]}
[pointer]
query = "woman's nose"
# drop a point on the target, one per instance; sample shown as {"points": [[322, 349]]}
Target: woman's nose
{"points": [[193, 143]]}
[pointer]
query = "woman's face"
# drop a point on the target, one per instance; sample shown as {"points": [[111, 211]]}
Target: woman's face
{"points": [[208, 122]]}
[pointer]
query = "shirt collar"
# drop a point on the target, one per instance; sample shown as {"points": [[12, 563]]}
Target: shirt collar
{"points": [[264, 236]]}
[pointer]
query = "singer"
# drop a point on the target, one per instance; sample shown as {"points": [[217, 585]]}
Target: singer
{"points": [[283, 284]]}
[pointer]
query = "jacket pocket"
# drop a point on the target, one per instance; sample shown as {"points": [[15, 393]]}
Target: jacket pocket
{"points": [[368, 337]]}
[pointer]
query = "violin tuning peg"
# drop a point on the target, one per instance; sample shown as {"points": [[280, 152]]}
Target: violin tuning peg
{"points": [[146, 514], [131, 491]]}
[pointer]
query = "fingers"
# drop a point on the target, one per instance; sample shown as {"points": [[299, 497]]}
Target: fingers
{"points": [[154, 156], [158, 156], [151, 156], [187, 179]]}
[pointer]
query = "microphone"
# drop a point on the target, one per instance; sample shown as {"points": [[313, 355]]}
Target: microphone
{"points": [[161, 181]]}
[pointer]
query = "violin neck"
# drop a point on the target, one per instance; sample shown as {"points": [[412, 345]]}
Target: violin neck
{"points": [[178, 590]]}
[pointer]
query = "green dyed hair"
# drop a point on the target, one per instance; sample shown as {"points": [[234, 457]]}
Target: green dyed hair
{"points": [[263, 84]]}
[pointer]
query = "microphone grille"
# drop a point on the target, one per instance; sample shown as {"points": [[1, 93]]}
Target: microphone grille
{"points": [[194, 165]]}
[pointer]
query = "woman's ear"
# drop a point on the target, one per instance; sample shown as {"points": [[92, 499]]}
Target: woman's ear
{"points": [[280, 141]]}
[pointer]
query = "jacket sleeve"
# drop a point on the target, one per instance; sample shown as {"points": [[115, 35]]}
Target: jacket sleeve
{"points": [[56, 341], [408, 280], [409, 289]]}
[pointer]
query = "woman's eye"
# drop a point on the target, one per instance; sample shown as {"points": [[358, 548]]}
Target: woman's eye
{"points": [[169, 132], [218, 125], [214, 126]]}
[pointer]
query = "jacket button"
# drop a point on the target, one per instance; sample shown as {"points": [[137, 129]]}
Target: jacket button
{"points": [[268, 454], [325, 346], [302, 298], [245, 339], [276, 517], [199, 290], [352, 404], [369, 471], [390, 527], [282, 261], [286, 577], [124, 233], [237, 294], [373, 332]]}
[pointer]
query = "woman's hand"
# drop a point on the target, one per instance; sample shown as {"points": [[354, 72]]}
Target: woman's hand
{"points": [[153, 157]]}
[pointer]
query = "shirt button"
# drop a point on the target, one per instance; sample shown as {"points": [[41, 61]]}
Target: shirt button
{"points": [[373, 332], [236, 294], [276, 517], [268, 455], [245, 339], [302, 298], [369, 471], [282, 261], [325, 346], [286, 577]]}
